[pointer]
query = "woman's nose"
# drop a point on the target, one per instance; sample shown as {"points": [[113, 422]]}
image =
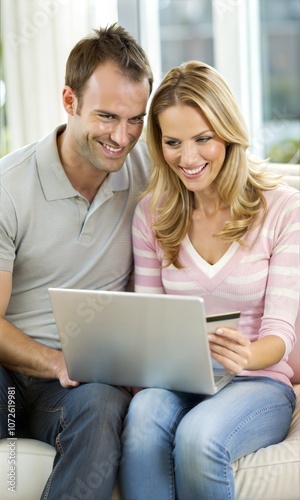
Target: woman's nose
{"points": [[189, 154]]}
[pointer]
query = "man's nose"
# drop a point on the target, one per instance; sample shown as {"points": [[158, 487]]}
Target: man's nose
{"points": [[120, 134]]}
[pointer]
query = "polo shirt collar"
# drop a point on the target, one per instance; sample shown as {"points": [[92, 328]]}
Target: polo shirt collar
{"points": [[54, 181]]}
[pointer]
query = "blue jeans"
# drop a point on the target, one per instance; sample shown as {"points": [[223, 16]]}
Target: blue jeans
{"points": [[84, 424], [178, 445]]}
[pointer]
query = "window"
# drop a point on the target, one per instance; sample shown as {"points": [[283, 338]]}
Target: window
{"points": [[253, 43], [185, 32], [280, 73], [3, 121]]}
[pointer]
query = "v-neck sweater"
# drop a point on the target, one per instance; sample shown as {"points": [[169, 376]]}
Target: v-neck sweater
{"points": [[260, 279]]}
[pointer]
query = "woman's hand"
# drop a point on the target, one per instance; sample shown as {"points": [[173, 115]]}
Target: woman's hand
{"points": [[231, 349]]}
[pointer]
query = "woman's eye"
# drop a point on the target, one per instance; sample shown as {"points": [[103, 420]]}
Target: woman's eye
{"points": [[171, 143], [204, 139]]}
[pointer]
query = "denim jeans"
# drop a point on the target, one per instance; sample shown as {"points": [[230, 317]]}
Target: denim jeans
{"points": [[178, 445], [84, 424]]}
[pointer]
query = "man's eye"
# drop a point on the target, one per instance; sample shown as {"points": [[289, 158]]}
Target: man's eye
{"points": [[137, 119], [106, 117]]}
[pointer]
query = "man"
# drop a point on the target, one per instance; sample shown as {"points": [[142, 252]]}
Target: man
{"points": [[66, 211]]}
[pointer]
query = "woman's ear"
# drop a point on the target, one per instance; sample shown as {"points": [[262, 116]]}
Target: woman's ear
{"points": [[69, 100]]}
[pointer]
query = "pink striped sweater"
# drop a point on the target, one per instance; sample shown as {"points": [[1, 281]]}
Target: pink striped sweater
{"points": [[260, 280]]}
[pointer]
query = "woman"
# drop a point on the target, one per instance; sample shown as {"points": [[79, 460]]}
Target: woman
{"points": [[213, 223]]}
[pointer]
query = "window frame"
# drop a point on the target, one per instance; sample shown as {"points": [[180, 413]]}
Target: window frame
{"points": [[238, 62]]}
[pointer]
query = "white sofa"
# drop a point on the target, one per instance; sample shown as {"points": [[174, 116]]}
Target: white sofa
{"points": [[271, 473]]}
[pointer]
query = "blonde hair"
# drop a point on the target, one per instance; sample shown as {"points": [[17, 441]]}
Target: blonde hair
{"points": [[240, 182]]}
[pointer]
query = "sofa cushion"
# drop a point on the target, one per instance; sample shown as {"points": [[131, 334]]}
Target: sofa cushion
{"points": [[291, 173], [272, 473], [33, 466]]}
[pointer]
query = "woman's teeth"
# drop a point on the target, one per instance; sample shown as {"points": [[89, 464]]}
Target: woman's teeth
{"points": [[192, 171]]}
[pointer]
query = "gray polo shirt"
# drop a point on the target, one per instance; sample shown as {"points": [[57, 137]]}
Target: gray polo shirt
{"points": [[51, 236]]}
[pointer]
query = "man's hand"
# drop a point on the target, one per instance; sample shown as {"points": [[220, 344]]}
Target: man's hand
{"points": [[61, 371]]}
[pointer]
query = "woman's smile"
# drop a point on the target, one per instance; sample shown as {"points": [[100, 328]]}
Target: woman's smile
{"points": [[193, 172], [191, 147]]}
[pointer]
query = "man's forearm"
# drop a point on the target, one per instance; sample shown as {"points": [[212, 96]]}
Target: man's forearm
{"points": [[20, 353]]}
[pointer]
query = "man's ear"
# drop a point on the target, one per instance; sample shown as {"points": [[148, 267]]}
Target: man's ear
{"points": [[69, 100]]}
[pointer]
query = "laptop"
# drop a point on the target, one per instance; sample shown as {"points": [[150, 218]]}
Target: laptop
{"points": [[136, 339]]}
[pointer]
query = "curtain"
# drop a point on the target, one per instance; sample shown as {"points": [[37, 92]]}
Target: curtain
{"points": [[37, 36]]}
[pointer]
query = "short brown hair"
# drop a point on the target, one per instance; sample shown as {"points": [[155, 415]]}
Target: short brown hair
{"points": [[114, 44]]}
